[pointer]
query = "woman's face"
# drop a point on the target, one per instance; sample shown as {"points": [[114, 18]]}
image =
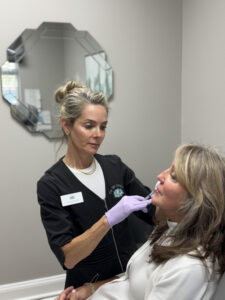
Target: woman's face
{"points": [[169, 194], [88, 131]]}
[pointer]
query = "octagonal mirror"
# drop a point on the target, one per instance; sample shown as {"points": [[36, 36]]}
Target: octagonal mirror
{"points": [[39, 61]]}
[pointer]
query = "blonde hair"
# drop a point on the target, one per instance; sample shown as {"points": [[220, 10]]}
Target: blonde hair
{"points": [[201, 170], [72, 97]]}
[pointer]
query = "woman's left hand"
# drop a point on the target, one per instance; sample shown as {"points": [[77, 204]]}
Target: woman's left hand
{"points": [[81, 293], [65, 295]]}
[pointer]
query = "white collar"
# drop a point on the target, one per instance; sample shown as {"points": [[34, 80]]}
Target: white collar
{"points": [[171, 224]]}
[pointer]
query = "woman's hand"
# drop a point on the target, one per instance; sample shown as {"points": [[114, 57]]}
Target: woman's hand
{"points": [[81, 293], [125, 207], [65, 295]]}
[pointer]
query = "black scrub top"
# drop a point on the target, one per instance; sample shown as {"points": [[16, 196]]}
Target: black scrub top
{"points": [[63, 223]]}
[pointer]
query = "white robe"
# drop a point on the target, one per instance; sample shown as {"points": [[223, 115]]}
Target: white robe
{"points": [[180, 278]]}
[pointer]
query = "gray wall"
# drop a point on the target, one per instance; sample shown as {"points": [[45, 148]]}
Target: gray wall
{"points": [[142, 39], [203, 72]]}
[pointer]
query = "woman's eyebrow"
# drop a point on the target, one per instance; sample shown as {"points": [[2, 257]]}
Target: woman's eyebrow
{"points": [[93, 121]]}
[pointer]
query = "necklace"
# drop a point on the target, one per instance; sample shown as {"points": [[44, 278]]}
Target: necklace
{"points": [[90, 170]]}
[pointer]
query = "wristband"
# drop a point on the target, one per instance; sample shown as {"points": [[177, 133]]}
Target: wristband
{"points": [[91, 285]]}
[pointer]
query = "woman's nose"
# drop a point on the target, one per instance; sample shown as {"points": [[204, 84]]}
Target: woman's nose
{"points": [[161, 176], [97, 132]]}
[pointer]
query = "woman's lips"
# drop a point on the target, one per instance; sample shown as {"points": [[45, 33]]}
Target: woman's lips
{"points": [[157, 191], [94, 145]]}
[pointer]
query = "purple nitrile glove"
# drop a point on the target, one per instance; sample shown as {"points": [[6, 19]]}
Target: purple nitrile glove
{"points": [[125, 207]]}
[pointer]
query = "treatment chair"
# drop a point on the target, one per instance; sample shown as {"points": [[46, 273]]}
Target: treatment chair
{"points": [[220, 291]]}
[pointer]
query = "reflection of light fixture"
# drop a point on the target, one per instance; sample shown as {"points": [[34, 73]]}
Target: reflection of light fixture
{"points": [[16, 50]]}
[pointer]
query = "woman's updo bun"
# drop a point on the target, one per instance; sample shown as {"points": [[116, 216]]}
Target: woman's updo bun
{"points": [[72, 97], [64, 90]]}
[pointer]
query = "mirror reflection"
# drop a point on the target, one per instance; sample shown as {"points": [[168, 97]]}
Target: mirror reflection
{"points": [[41, 60]]}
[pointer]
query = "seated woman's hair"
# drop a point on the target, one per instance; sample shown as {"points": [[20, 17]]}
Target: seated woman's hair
{"points": [[72, 97], [201, 170]]}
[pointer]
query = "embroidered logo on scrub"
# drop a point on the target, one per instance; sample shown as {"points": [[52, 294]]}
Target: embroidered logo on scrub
{"points": [[117, 191]]}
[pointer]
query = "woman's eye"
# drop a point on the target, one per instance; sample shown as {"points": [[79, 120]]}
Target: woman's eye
{"points": [[173, 175], [88, 126], [103, 127]]}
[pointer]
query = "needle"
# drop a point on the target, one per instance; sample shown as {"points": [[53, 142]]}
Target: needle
{"points": [[149, 196]]}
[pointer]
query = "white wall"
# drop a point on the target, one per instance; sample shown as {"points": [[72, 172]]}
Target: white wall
{"points": [[203, 72], [142, 39]]}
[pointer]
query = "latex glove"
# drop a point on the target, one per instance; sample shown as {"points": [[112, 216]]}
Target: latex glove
{"points": [[125, 207]]}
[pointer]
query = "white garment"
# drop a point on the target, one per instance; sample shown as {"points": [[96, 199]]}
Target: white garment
{"points": [[180, 278], [95, 182]]}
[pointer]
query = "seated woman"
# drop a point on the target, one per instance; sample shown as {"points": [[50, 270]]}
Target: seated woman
{"points": [[185, 255]]}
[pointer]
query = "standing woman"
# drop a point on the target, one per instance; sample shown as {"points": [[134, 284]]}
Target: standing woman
{"points": [[82, 196]]}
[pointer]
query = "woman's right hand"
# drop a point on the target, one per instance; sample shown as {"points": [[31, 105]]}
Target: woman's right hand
{"points": [[125, 207]]}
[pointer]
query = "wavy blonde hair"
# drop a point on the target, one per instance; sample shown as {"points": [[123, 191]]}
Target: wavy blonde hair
{"points": [[201, 170]]}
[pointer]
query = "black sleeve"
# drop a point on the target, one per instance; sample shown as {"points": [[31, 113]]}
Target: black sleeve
{"points": [[55, 218], [133, 186]]}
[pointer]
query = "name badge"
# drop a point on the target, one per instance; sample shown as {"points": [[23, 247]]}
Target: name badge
{"points": [[71, 199]]}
